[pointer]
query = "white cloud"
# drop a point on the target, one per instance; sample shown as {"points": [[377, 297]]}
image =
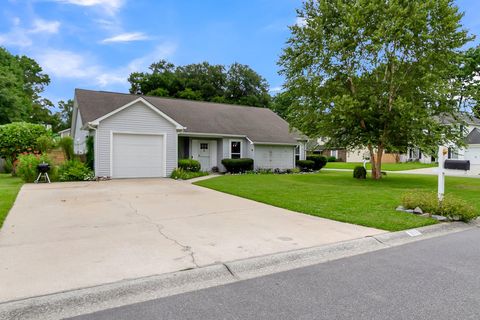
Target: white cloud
{"points": [[110, 5], [67, 64], [20, 37], [70, 65], [276, 89], [126, 37], [301, 22], [40, 25]]}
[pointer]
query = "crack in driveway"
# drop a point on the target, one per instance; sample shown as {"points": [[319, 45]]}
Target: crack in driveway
{"points": [[160, 228]]}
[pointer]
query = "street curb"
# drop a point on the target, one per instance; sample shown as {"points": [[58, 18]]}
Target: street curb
{"points": [[87, 300]]}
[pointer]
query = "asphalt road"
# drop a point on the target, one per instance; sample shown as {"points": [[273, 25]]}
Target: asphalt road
{"points": [[436, 279]]}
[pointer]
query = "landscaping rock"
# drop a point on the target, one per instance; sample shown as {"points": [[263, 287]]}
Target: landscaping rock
{"points": [[400, 208], [439, 218], [417, 210]]}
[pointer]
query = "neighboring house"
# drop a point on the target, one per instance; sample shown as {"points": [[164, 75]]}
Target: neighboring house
{"points": [[64, 133], [470, 152], [144, 136]]}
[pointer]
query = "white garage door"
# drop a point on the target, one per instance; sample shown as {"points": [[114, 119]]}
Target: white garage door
{"points": [[273, 157], [473, 154], [137, 156]]}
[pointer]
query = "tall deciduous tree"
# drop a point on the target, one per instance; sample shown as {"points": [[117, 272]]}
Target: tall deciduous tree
{"points": [[374, 73], [21, 85], [467, 80], [237, 84]]}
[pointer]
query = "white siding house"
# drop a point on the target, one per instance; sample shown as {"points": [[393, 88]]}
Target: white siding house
{"points": [[145, 136]]}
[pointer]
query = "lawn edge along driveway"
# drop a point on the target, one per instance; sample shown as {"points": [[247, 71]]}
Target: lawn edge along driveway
{"points": [[9, 188], [337, 196]]}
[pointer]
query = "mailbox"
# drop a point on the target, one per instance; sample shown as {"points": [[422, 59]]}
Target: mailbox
{"points": [[457, 164]]}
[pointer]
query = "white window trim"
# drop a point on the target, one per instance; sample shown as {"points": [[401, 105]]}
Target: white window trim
{"points": [[230, 147], [164, 156], [334, 153]]}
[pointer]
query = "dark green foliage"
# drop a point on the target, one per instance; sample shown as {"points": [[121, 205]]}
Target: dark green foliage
{"points": [[182, 174], [360, 172], [318, 160], [65, 114], [66, 143], [451, 207], [331, 159], [19, 137], [238, 165], [189, 165], [45, 143], [237, 84], [305, 165], [90, 154], [376, 82], [8, 165], [26, 167], [74, 170]]}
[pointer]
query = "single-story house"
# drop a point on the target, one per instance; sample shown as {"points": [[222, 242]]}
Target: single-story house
{"points": [[144, 136], [64, 133], [470, 152]]}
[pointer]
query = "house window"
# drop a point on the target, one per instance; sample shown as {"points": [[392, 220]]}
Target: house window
{"points": [[204, 146], [235, 149], [334, 153], [297, 153]]}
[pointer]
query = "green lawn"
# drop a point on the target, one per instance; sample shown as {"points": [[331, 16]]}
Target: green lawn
{"points": [[336, 195], [385, 166], [9, 188]]}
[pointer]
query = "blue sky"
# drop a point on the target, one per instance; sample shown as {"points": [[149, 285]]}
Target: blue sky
{"points": [[96, 44]]}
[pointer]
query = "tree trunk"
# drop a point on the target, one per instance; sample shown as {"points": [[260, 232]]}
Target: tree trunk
{"points": [[378, 166], [376, 162]]}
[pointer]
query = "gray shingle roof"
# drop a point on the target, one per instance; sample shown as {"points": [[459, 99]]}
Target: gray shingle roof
{"points": [[473, 137], [258, 124]]}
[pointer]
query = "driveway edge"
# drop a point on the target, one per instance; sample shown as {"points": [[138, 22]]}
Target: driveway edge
{"points": [[92, 299]]}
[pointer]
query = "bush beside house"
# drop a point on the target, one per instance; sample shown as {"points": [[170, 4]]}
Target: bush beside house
{"points": [[238, 165], [318, 161], [187, 169]]}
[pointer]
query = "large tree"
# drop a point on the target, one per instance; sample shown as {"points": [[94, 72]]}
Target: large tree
{"points": [[236, 84], [21, 85], [374, 74], [467, 81]]}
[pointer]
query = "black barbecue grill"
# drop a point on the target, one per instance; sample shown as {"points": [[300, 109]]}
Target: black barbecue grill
{"points": [[43, 169]]}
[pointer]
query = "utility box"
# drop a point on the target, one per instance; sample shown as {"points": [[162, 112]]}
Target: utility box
{"points": [[457, 164]]}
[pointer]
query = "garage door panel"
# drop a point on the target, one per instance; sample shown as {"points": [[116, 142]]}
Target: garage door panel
{"points": [[273, 157], [137, 156]]}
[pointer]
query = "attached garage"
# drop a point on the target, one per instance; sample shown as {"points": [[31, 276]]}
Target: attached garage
{"points": [[137, 155], [473, 154], [274, 157]]}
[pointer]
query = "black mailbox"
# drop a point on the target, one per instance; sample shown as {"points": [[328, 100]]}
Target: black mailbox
{"points": [[457, 164]]}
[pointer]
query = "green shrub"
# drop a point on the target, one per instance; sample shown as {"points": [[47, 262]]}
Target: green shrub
{"points": [[451, 207], [305, 165], [8, 165], [45, 143], [19, 137], [90, 154], [185, 175], [238, 165], [189, 165], [26, 167], [319, 161], [74, 170], [66, 143], [331, 159], [359, 172]]}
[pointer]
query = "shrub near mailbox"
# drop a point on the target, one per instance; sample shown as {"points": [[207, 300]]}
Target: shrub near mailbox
{"points": [[457, 164]]}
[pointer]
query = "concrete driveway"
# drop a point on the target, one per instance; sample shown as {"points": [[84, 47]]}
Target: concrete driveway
{"points": [[71, 235]]}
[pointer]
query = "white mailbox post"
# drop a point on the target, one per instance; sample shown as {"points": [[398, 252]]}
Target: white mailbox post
{"points": [[442, 156]]}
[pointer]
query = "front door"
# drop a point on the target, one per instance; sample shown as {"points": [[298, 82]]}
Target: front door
{"points": [[204, 155]]}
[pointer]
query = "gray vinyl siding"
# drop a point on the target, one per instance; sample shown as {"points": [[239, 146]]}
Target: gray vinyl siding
{"points": [[79, 135], [137, 118]]}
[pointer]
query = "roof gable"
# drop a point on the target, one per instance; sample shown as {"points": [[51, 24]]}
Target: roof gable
{"points": [[258, 124], [473, 137]]}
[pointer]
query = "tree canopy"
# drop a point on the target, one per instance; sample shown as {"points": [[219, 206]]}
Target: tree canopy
{"points": [[375, 74], [236, 84]]}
